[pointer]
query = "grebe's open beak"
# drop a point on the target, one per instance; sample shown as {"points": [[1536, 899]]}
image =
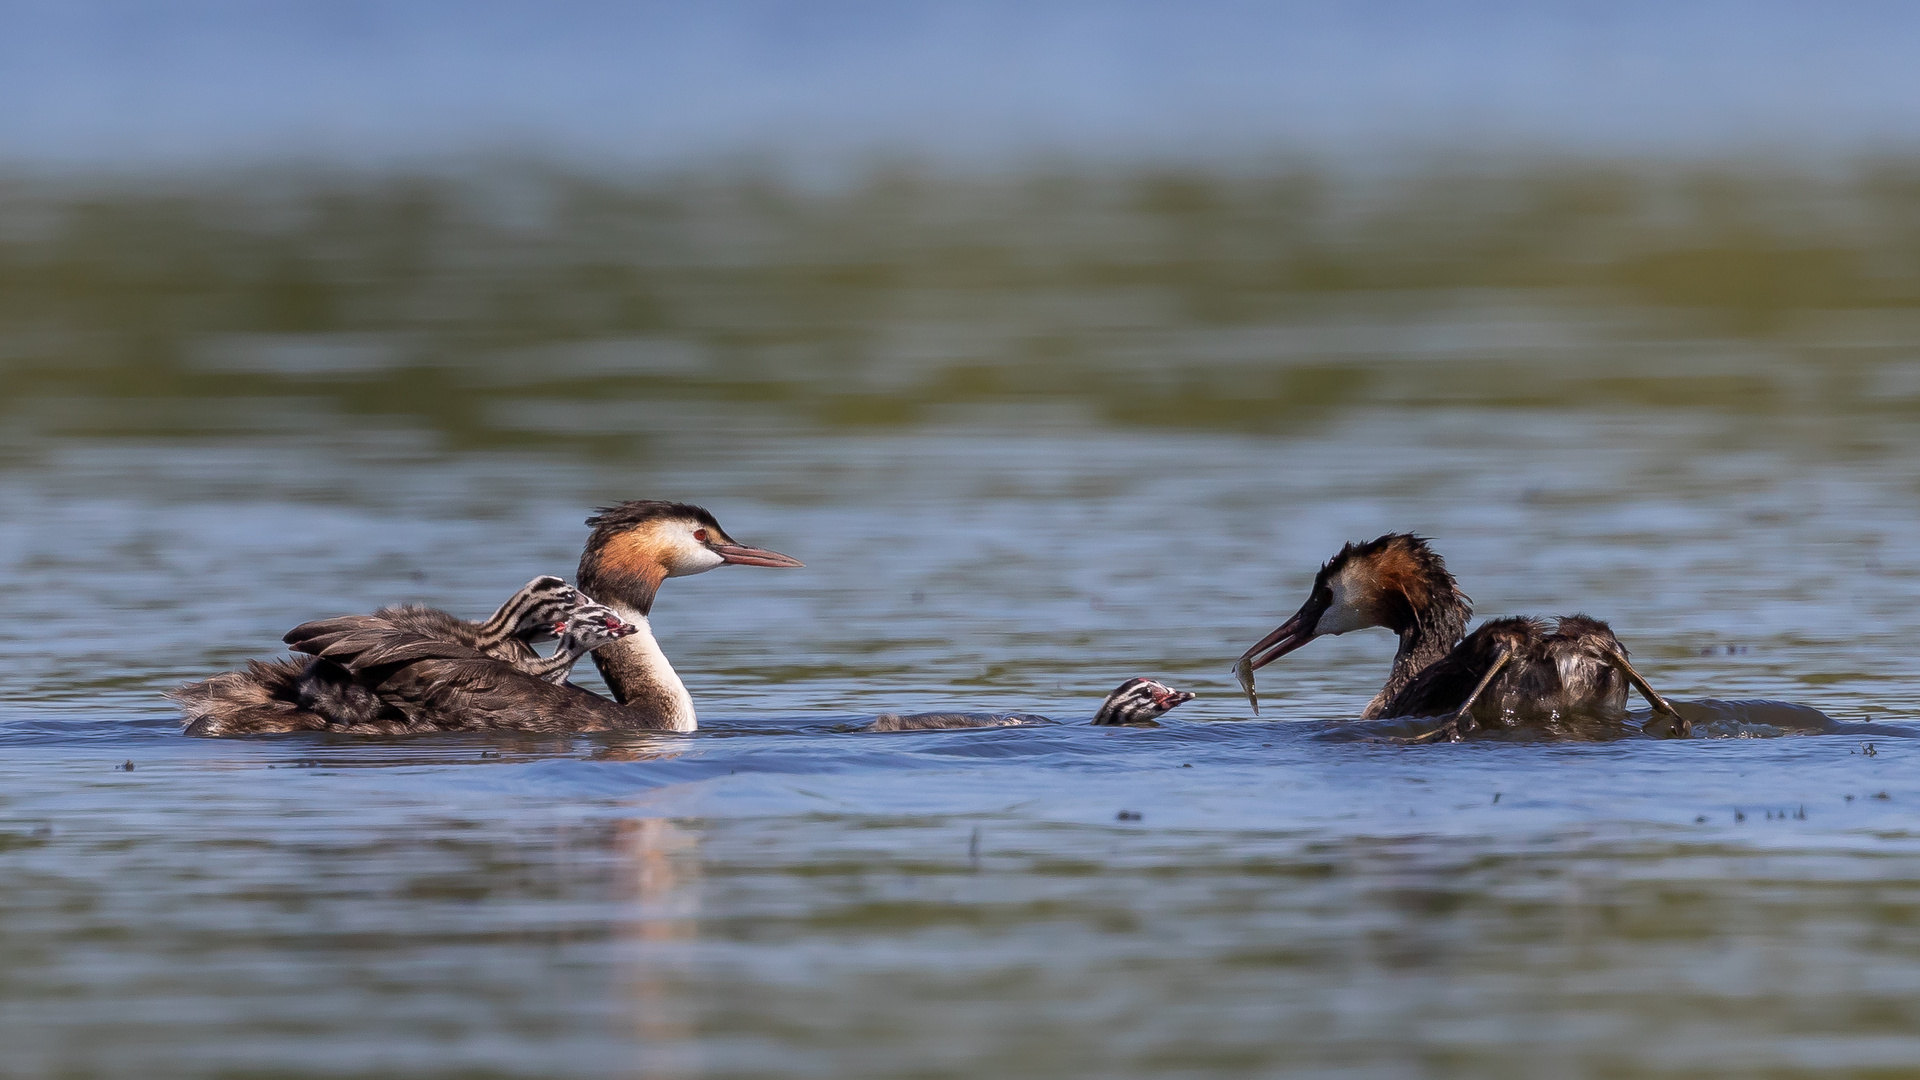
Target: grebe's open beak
{"points": [[1173, 699], [742, 555], [1289, 636]]}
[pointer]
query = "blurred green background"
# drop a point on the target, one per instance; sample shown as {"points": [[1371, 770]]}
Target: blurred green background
{"points": [[557, 225], [531, 306]]}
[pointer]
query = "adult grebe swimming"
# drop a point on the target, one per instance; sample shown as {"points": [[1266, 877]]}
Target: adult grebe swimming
{"points": [[1507, 672], [633, 549]]}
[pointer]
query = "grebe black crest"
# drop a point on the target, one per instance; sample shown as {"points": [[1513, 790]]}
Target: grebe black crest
{"points": [[397, 654], [1136, 702], [1508, 672]]}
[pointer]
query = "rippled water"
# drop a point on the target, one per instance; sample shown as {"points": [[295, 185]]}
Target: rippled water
{"points": [[1013, 488]]}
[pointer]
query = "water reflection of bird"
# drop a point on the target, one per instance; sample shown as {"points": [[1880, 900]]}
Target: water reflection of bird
{"points": [[1508, 672], [1135, 702], [426, 682]]}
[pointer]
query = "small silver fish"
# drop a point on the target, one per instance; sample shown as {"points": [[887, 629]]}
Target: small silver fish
{"points": [[1243, 670]]}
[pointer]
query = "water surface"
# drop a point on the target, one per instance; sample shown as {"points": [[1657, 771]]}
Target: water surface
{"points": [[1025, 455]]}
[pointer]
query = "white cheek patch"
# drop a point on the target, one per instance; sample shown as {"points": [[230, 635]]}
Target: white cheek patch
{"points": [[1344, 614], [695, 558], [685, 554]]}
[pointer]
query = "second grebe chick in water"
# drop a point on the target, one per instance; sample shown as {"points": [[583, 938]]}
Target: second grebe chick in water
{"points": [[1507, 672], [1134, 702], [1139, 701]]}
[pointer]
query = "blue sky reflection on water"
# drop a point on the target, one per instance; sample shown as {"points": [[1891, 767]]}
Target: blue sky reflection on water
{"points": [[131, 83]]}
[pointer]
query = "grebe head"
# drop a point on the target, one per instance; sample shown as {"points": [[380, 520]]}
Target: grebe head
{"points": [[637, 545], [584, 629], [530, 613], [539, 605], [1394, 581], [1137, 701], [589, 626]]}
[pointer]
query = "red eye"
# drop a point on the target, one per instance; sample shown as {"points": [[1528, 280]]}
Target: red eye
{"points": [[700, 535]]}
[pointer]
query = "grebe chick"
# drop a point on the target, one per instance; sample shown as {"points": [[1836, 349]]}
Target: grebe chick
{"points": [[1396, 581], [1512, 671], [633, 549], [535, 612], [529, 615], [425, 684], [585, 629], [1139, 701], [1135, 702]]}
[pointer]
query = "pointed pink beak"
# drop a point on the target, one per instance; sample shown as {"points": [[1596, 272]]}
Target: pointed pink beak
{"points": [[1287, 637], [742, 555]]}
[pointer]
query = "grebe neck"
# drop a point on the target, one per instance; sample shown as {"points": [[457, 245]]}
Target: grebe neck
{"points": [[641, 678], [1432, 635]]}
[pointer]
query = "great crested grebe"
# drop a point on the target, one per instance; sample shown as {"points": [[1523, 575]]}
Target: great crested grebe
{"points": [[1136, 701], [1507, 672], [633, 548]]}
